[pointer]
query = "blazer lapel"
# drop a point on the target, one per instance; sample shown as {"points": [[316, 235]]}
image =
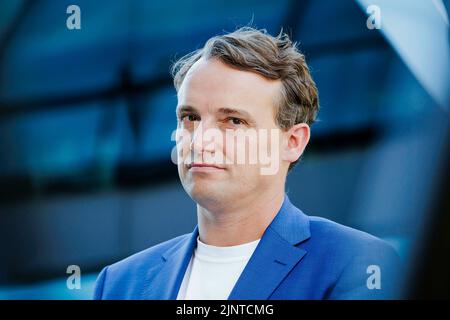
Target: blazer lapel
{"points": [[167, 282], [275, 255]]}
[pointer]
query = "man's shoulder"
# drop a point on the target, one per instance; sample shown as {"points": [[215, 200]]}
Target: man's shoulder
{"points": [[149, 257], [353, 259], [343, 240], [124, 279]]}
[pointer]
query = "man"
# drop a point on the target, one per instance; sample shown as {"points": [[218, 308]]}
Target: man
{"points": [[251, 242]]}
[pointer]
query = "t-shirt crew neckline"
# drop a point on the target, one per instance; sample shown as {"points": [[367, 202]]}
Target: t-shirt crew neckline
{"points": [[217, 254]]}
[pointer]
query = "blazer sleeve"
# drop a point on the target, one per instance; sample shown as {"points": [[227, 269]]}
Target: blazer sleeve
{"points": [[373, 274], [99, 284]]}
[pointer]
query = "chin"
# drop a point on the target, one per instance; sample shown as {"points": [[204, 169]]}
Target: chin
{"points": [[207, 193]]}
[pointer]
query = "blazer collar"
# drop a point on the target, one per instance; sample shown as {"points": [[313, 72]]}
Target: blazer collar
{"points": [[275, 255], [291, 223], [273, 258]]}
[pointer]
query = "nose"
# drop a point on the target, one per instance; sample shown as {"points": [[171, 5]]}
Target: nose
{"points": [[202, 142]]}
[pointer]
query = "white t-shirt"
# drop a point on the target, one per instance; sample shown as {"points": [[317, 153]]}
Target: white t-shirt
{"points": [[213, 271]]}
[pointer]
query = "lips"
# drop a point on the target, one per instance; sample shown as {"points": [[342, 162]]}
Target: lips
{"points": [[204, 165]]}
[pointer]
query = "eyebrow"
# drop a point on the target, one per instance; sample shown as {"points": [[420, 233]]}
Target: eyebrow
{"points": [[238, 112], [185, 108]]}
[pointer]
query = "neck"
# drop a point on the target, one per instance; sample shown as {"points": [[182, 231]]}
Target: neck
{"points": [[244, 221]]}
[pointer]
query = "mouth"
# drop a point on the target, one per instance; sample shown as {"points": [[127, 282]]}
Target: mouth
{"points": [[203, 167]]}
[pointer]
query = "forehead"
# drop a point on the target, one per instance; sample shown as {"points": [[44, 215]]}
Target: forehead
{"points": [[211, 84]]}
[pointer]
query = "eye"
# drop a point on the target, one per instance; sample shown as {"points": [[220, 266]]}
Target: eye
{"points": [[235, 121], [190, 117]]}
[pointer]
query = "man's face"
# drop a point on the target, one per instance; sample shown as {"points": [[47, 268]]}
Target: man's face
{"points": [[216, 104]]}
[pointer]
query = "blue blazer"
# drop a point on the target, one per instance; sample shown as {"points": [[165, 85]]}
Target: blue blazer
{"points": [[298, 257]]}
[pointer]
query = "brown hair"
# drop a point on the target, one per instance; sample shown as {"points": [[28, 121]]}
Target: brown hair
{"points": [[276, 58]]}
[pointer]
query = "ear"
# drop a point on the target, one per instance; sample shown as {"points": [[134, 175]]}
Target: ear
{"points": [[297, 138]]}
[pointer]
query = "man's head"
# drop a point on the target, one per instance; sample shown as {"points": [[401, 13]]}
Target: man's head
{"points": [[245, 81]]}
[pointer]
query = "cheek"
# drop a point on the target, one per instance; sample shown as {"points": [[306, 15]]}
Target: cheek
{"points": [[242, 152], [229, 147], [183, 142], [183, 150]]}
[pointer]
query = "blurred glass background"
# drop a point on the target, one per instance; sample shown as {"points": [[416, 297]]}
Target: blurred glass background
{"points": [[86, 118]]}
